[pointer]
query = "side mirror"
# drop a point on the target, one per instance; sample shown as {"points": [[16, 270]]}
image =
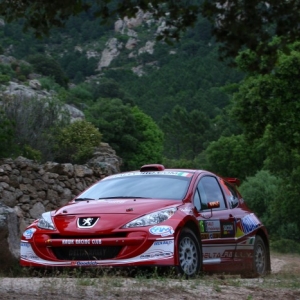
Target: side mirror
{"points": [[214, 204]]}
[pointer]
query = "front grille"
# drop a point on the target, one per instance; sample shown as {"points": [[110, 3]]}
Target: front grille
{"points": [[86, 253]]}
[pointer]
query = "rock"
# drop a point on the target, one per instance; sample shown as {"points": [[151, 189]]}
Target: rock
{"points": [[9, 237], [35, 84], [148, 48], [75, 113], [109, 53], [131, 43], [37, 210]]}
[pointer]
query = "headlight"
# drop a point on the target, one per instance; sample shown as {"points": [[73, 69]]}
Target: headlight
{"points": [[45, 221], [152, 219]]}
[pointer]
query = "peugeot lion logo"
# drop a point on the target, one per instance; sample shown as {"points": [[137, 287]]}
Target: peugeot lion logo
{"points": [[86, 222]]}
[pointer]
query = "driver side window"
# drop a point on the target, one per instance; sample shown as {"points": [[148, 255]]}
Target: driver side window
{"points": [[208, 190]]}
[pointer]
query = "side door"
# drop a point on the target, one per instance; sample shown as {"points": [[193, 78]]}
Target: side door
{"points": [[217, 225]]}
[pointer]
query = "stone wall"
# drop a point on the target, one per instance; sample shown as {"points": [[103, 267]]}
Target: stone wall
{"points": [[30, 188]]}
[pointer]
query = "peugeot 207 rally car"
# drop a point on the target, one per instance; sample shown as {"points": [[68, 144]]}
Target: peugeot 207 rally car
{"points": [[191, 219]]}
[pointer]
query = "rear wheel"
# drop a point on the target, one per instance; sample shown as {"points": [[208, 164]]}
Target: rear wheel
{"points": [[260, 257], [189, 253]]}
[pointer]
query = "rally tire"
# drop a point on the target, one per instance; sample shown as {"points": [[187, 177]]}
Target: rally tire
{"points": [[260, 257], [189, 253]]}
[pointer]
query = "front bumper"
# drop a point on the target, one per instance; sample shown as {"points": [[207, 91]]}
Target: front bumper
{"points": [[159, 252]]}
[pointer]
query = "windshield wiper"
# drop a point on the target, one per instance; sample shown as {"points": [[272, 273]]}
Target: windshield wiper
{"points": [[84, 199]]}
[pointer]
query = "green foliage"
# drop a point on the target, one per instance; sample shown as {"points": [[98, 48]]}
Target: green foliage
{"points": [[77, 66], [76, 142], [4, 79], [133, 134], [267, 107], [150, 141], [25, 69], [106, 88], [285, 246], [233, 156], [179, 163], [260, 192], [6, 70], [48, 66], [30, 153], [49, 84], [116, 123], [185, 133]]}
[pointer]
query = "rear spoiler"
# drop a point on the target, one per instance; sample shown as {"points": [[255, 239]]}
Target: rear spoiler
{"points": [[232, 180]]}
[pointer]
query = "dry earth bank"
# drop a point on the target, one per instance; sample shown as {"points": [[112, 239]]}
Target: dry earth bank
{"points": [[282, 283]]}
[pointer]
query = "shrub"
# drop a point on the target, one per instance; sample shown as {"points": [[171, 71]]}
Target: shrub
{"points": [[31, 153], [75, 143], [285, 246]]}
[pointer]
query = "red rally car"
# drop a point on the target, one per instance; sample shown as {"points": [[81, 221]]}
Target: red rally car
{"points": [[191, 219]]}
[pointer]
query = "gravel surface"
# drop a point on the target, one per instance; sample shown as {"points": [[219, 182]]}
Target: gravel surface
{"points": [[282, 283]]}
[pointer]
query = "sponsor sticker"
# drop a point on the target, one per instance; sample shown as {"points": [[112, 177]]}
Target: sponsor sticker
{"points": [[157, 254], [249, 223], [183, 174], [84, 263], [81, 242], [213, 225], [158, 243], [228, 229], [161, 230], [28, 234]]}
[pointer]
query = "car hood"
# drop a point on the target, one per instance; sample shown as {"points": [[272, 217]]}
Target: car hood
{"points": [[111, 214], [115, 206]]}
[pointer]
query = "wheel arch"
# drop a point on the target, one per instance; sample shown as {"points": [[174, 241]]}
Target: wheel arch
{"points": [[194, 227]]}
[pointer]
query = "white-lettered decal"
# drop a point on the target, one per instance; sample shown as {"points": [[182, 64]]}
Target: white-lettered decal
{"points": [[161, 230], [28, 234]]}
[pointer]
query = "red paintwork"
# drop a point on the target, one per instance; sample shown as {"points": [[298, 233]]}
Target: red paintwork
{"points": [[226, 244]]}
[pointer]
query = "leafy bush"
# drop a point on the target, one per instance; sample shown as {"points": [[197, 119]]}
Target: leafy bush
{"points": [[26, 69], [31, 153], [48, 83], [285, 246], [4, 79], [48, 66], [75, 143]]}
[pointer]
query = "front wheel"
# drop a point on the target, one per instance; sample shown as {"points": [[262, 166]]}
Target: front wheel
{"points": [[260, 257], [189, 253]]}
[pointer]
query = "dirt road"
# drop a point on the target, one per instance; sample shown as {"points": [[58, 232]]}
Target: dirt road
{"points": [[283, 283]]}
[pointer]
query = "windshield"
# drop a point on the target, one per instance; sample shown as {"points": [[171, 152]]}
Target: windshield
{"points": [[140, 186]]}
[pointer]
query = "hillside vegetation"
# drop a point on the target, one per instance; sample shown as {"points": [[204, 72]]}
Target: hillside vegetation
{"points": [[155, 102]]}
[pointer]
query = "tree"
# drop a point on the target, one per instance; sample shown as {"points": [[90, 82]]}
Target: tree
{"points": [[185, 133], [232, 156], [235, 24], [76, 142], [267, 106], [133, 134], [150, 141], [48, 66]]}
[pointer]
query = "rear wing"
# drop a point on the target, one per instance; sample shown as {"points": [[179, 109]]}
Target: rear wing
{"points": [[233, 180]]}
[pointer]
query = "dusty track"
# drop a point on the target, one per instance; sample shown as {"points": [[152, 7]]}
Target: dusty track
{"points": [[282, 283]]}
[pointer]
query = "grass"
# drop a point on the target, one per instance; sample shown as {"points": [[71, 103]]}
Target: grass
{"points": [[152, 283]]}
